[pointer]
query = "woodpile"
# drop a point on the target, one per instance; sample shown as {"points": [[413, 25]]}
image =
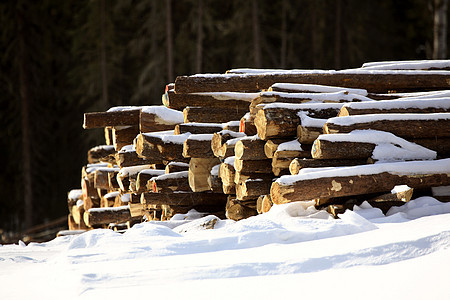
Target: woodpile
{"points": [[236, 144]]}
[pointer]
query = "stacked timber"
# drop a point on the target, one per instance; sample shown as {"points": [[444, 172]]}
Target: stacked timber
{"points": [[220, 143]]}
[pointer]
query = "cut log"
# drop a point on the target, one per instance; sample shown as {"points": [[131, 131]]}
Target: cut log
{"points": [[227, 149], [199, 171], [300, 163], [241, 177], [271, 146], [440, 145], [263, 204], [162, 145], [200, 128], [198, 146], [112, 117], [281, 120], [360, 144], [176, 166], [123, 136], [253, 166], [252, 188], [112, 180], [250, 148], [396, 106], [128, 157], [104, 216], [227, 175], [168, 183], [108, 136], [237, 210], [347, 181], [220, 138], [101, 177], [128, 174], [159, 118], [214, 181], [208, 114], [73, 196], [247, 125], [219, 99], [372, 81], [402, 125], [109, 199], [144, 176], [184, 199], [101, 153]]}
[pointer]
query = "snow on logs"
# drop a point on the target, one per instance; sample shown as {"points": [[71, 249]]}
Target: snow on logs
{"points": [[310, 184], [375, 81]]}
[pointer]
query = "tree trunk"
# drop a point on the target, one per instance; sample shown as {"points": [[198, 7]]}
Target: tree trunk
{"points": [[105, 100], [256, 34], [25, 101], [199, 49], [440, 29], [283, 49], [169, 41]]}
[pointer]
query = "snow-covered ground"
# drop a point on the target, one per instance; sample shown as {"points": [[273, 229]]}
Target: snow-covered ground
{"points": [[292, 252]]}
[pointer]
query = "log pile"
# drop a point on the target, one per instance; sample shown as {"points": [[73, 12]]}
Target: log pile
{"points": [[235, 144]]}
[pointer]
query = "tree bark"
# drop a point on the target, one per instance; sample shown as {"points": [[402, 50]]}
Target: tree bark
{"points": [[184, 199], [111, 118], [253, 166], [199, 148], [440, 29], [208, 114], [299, 163]]}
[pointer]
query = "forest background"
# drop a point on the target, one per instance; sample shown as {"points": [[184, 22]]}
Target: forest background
{"points": [[60, 59]]}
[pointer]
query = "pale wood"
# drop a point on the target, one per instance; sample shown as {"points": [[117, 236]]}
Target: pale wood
{"points": [[247, 126], [108, 135], [271, 146], [375, 82], [101, 177], [212, 114], [113, 118], [218, 141], [250, 149], [199, 171], [227, 175]]}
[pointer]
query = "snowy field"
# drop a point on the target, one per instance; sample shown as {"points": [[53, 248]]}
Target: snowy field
{"points": [[289, 253]]}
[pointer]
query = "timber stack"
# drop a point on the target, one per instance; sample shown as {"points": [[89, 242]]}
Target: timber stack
{"points": [[235, 144]]}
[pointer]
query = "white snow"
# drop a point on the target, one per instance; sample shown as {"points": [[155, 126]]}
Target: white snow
{"points": [[127, 148], [441, 190], [103, 147], [400, 188], [310, 122], [103, 209], [133, 170], [389, 147], [402, 103], [305, 106], [123, 108], [201, 137], [224, 96], [180, 174], [350, 120], [164, 115], [317, 88], [75, 194], [153, 172], [290, 146], [92, 167], [169, 136], [441, 166], [111, 195], [215, 170], [229, 160], [292, 251], [319, 97], [407, 65]]}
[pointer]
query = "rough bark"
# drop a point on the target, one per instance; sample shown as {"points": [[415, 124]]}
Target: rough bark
{"points": [[253, 166], [250, 149], [299, 163], [104, 216], [199, 148], [169, 183], [208, 114], [238, 210], [184, 199], [111, 118], [374, 82], [252, 188], [103, 153], [323, 149], [124, 136]]}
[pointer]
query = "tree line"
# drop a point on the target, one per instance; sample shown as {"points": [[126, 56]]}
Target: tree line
{"points": [[63, 58]]}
